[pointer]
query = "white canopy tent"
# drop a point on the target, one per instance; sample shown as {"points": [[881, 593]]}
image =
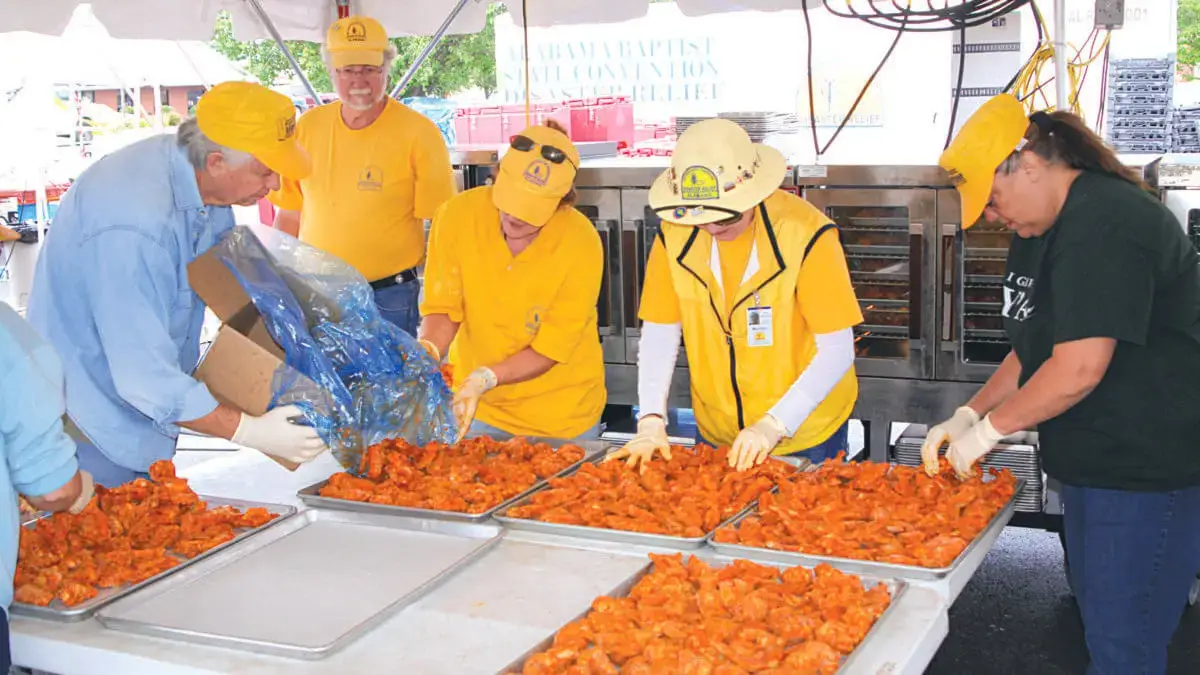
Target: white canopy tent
{"points": [[308, 19]]}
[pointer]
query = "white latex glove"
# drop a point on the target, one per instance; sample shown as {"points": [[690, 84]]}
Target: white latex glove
{"points": [[651, 435], [432, 349], [86, 493], [970, 447], [466, 399], [755, 443], [275, 434], [947, 432]]}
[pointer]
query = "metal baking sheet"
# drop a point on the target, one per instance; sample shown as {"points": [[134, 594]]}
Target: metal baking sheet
{"points": [[57, 611], [621, 536], [308, 588], [897, 588], [868, 567], [311, 495]]}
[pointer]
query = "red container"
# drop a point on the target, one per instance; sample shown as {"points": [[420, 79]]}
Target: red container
{"points": [[488, 126], [608, 118], [462, 126]]}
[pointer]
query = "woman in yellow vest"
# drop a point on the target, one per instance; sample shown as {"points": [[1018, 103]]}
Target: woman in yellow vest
{"points": [[511, 280], [755, 282]]}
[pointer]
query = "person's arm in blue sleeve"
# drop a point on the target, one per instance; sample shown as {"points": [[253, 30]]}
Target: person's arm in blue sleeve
{"points": [[133, 293], [40, 456]]}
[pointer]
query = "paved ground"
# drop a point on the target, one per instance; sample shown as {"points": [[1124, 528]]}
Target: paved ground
{"points": [[1017, 617]]}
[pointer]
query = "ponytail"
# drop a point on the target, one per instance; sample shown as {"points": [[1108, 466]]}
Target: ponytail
{"points": [[1063, 138]]}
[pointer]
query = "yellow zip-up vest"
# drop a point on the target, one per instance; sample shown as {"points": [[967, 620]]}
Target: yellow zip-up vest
{"points": [[734, 384]]}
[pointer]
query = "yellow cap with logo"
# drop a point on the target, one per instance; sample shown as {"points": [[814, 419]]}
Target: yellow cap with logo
{"points": [[536, 172], [248, 117], [995, 131], [356, 41]]}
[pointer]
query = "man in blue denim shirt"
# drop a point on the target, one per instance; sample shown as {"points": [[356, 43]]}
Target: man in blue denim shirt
{"points": [[111, 290], [36, 458]]}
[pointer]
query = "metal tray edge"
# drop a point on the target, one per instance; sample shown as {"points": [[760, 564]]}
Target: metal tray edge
{"points": [[620, 536], [310, 497], [622, 589], [868, 567], [898, 588], [86, 610], [300, 653]]}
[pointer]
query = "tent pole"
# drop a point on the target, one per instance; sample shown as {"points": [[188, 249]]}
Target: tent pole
{"points": [[256, 6], [433, 43], [1062, 86]]}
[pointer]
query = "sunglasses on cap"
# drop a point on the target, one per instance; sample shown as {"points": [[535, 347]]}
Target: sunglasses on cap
{"points": [[549, 152]]}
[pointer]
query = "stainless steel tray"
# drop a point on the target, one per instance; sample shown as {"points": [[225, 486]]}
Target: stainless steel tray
{"points": [[621, 536], [897, 587], [311, 496], [307, 588], [868, 567], [56, 611]]}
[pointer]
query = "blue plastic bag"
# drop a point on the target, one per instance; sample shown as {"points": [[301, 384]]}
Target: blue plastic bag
{"points": [[439, 110], [364, 380]]}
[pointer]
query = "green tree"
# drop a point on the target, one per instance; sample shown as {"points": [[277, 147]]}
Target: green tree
{"points": [[459, 62], [1188, 43]]}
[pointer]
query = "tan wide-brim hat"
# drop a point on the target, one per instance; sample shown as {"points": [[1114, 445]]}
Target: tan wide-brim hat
{"points": [[716, 173]]}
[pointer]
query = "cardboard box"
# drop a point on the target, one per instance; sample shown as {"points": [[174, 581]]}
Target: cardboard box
{"points": [[241, 363]]}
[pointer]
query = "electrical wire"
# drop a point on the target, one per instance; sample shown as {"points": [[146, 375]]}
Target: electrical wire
{"points": [[950, 15], [1029, 87]]}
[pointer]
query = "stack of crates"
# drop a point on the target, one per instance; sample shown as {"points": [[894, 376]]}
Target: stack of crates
{"points": [[1138, 106], [1185, 129]]}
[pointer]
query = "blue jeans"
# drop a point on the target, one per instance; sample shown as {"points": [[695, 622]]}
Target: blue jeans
{"points": [[104, 471], [826, 449], [1132, 561], [398, 305], [484, 429]]}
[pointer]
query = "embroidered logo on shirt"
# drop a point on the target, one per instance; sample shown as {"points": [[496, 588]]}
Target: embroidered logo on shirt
{"points": [[538, 172], [371, 179], [533, 318]]}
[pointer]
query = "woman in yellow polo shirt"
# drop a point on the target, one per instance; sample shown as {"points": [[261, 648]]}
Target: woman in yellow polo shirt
{"points": [[755, 282], [511, 280]]}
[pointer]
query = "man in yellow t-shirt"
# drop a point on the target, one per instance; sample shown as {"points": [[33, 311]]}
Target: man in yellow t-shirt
{"points": [[380, 169], [754, 281], [513, 276]]}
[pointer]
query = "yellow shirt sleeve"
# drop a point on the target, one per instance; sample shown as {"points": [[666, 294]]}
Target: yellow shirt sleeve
{"points": [[435, 177], [660, 303], [443, 271], [288, 197], [824, 291], [565, 321]]}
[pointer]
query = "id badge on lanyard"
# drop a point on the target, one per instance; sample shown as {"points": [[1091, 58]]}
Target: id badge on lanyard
{"points": [[759, 331]]}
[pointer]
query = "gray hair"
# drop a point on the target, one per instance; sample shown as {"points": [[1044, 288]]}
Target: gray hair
{"points": [[389, 56], [199, 147]]}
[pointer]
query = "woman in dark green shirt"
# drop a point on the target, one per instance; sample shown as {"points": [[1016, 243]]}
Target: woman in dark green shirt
{"points": [[1102, 308]]}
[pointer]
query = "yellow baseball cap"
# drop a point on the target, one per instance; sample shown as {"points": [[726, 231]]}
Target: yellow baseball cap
{"points": [[247, 116], [536, 172], [717, 172], [356, 41], [995, 131]]}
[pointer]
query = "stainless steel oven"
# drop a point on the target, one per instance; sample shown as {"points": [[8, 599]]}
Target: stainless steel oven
{"points": [[603, 208], [972, 342], [886, 220]]}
